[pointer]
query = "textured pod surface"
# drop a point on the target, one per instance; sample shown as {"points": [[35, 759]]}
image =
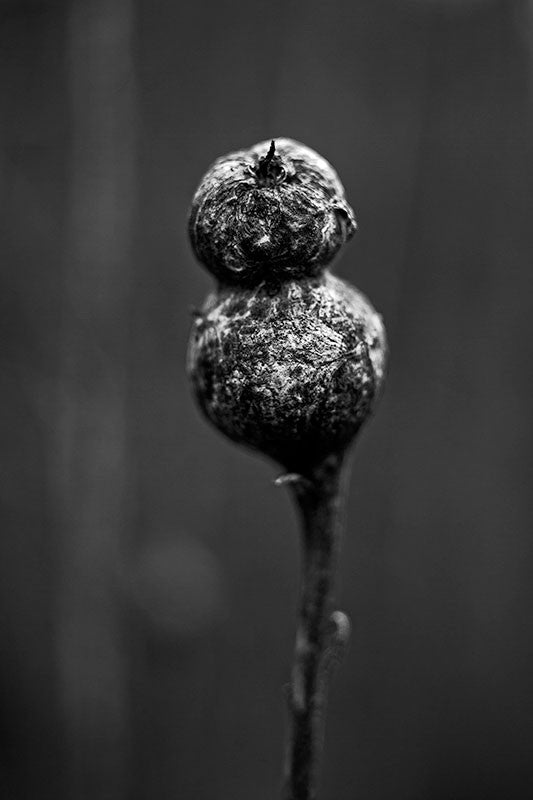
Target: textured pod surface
{"points": [[274, 211], [292, 373]]}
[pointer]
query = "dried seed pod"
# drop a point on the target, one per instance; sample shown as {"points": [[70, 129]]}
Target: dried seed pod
{"points": [[293, 374], [288, 359], [284, 357], [270, 212]]}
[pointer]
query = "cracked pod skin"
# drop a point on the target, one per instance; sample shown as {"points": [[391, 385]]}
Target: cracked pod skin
{"points": [[284, 357]]}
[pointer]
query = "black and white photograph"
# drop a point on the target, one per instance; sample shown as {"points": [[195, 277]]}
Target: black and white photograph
{"points": [[266, 404]]}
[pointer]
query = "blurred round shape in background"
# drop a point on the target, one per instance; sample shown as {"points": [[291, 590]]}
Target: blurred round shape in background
{"points": [[177, 587]]}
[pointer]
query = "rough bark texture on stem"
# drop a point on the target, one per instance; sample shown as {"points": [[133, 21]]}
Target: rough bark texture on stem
{"points": [[318, 497]]}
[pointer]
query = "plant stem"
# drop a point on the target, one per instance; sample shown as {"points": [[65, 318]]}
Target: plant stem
{"points": [[320, 632]]}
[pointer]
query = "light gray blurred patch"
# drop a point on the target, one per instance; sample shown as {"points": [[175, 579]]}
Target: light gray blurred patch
{"points": [[178, 588]]}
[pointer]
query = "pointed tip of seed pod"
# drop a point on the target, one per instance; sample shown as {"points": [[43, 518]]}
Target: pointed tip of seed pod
{"points": [[272, 150], [269, 166]]}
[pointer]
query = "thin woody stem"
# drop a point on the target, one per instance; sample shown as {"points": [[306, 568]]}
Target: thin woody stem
{"points": [[320, 630]]}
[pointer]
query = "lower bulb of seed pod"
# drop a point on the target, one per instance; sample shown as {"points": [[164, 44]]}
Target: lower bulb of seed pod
{"points": [[294, 373]]}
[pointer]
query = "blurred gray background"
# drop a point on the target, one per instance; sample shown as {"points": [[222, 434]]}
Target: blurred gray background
{"points": [[148, 567]]}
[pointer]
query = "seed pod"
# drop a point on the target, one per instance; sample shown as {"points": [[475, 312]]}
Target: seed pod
{"points": [[269, 212], [284, 357]]}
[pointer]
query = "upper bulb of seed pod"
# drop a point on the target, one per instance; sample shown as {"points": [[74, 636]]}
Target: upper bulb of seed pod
{"points": [[272, 212]]}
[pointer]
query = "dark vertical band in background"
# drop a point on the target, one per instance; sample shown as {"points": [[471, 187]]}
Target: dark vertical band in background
{"points": [[33, 174]]}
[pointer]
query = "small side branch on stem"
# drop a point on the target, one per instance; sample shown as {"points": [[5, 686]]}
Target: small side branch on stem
{"points": [[322, 632]]}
